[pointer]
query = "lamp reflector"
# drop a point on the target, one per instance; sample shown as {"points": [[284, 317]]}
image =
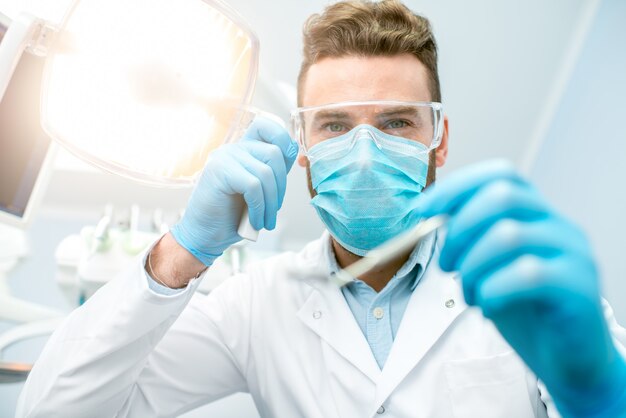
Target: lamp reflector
{"points": [[148, 88]]}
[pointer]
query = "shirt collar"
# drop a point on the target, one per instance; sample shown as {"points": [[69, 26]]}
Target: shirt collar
{"points": [[420, 256]]}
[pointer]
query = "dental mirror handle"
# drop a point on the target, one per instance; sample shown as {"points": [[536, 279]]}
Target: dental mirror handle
{"points": [[246, 230], [389, 250]]}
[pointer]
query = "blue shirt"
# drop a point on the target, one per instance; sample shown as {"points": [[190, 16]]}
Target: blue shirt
{"points": [[379, 313]]}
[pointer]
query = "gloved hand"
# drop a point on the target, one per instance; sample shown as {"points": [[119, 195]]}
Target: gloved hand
{"points": [[255, 167], [533, 274]]}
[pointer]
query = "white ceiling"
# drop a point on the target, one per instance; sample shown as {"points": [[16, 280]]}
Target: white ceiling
{"points": [[501, 64]]}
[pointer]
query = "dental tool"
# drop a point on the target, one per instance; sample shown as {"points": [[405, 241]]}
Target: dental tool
{"points": [[389, 250]]}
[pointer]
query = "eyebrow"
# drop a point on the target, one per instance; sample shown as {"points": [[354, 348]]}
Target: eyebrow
{"points": [[332, 114], [400, 110], [342, 115]]}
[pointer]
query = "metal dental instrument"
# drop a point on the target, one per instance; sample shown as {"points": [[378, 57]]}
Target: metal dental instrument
{"points": [[388, 251]]}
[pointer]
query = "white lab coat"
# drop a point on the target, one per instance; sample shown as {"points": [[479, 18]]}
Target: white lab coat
{"points": [[290, 340]]}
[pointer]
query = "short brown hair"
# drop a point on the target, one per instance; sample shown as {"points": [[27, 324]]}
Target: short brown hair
{"points": [[368, 28]]}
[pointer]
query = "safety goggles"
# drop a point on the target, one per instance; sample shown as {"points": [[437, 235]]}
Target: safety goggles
{"points": [[415, 121]]}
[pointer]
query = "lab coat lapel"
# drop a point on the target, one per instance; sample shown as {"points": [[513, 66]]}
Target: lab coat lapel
{"points": [[327, 314], [435, 303]]}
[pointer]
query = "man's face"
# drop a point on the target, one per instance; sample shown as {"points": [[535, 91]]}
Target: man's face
{"points": [[352, 78]]}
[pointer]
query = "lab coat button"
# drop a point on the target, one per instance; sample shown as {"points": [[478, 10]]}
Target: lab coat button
{"points": [[450, 303], [381, 410], [379, 313], [317, 314]]}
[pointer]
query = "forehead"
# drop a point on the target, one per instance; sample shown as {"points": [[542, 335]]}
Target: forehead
{"points": [[352, 78]]}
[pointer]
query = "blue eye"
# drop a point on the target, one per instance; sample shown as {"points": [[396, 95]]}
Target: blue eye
{"points": [[396, 124], [334, 127]]}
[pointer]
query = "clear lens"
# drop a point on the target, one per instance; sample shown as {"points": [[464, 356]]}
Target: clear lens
{"points": [[148, 88], [416, 121]]}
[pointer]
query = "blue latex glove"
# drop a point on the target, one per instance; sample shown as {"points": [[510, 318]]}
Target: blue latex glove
{"points": [[533, 274], [256, 168]]}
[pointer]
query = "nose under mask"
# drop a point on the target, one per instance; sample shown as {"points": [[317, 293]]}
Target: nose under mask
{"points": [[367, 195]]}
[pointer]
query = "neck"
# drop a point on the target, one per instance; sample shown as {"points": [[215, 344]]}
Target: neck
{"points": [[378, 278]]}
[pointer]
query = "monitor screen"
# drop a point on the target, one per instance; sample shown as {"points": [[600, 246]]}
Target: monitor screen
{"points": [[24, 146]]}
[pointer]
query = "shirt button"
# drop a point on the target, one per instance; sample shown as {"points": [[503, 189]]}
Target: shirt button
{"points": [[317, 314], [450, 303], [379, 313], [381, 410]]}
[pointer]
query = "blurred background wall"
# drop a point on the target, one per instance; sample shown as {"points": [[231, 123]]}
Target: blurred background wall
{"points": [[581, 163]]}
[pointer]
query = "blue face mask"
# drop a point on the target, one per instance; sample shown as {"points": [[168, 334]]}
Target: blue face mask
{"points": [[367, 184]]}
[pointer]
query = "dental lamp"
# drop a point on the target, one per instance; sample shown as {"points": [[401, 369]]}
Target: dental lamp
{"points": [[141, 88]]}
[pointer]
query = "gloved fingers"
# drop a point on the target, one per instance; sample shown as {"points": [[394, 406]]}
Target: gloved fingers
{"points": [[271, 155], [444, 197], [497, 200], [237, 180], [532, 279], [508, 240], [265, 174], [269, 131]]}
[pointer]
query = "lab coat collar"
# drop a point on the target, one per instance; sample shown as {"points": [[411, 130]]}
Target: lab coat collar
{"points": [[326, 313], [434, 305]]}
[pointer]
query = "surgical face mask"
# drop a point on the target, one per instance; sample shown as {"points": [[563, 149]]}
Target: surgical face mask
{"points": [[367, 195]]}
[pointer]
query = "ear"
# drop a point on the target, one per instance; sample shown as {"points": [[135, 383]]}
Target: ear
{"points": [[441, 154], [302, 160]]}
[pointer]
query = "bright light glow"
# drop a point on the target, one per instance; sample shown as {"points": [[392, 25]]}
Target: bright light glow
{"points": [[147, 88]]}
